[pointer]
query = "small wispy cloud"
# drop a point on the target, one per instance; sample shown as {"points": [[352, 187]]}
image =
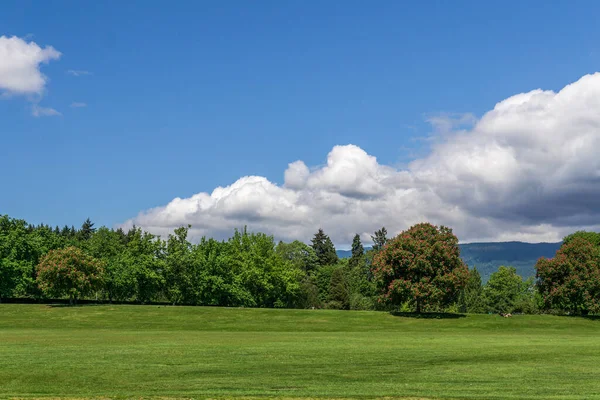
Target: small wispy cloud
{"points": [[448, 122], [38, 111], [78, 104], [78, 72]]}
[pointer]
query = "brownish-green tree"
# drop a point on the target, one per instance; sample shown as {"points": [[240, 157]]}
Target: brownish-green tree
{"points": [[571, 280], [422, 265], [69, 272]]}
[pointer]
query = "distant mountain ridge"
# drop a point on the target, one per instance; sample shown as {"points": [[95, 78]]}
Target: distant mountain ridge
{"points": [[487, 257]]}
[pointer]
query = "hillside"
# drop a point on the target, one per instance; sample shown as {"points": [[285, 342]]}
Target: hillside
{"points": [[487, 257]]}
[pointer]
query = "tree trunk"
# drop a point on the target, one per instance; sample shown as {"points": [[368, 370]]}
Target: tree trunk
{"points": [[70, 299], [418, 306]]}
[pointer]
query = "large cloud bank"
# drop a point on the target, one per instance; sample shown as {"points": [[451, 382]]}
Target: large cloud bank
{"points": [[527, 170]]}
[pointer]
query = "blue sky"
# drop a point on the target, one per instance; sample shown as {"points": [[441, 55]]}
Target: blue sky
{"points": [[182, 97]]}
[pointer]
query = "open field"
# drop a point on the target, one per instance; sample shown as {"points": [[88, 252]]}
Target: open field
{"points": [[152, 351]]}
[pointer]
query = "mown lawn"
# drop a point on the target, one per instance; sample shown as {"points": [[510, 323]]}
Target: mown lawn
{"points": [[198, 352]]}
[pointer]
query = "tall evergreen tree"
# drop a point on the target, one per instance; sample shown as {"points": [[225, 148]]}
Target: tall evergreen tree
{"points": [[324, 248], [65, 231], [379, 239], [87, 230], [358, 252], [339, 295]]}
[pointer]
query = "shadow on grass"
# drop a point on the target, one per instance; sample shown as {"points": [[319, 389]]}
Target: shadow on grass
{"points": [[67, 305], [590, 317], [432, 315]]}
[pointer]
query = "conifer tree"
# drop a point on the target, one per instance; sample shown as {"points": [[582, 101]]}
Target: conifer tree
{"points": [[338, 290], [379, 239], [324, 248], [87, 230], [358, 252]]}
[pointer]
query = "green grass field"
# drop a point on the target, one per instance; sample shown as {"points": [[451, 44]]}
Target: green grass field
{"points": [[198, 352]]}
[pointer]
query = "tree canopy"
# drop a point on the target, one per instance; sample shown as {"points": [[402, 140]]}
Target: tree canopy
{"points": [[422, 265], [418, 269], [571, 280], [506, 292], [69, 272]]}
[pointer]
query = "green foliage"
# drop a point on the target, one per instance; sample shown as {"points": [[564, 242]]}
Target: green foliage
{"points": [[301, 255], [470, 299], [322, 280], [324, 249], [358, 253], [571, 280], [250, 270], [21, 246], [421, 264], [86, 231], [339, 290], [592, 237], [506, 292], [309, 293], [379, 239], [69, 272], [264, 275]]}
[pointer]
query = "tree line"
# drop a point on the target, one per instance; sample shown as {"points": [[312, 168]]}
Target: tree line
{"points": [[418, 270]]}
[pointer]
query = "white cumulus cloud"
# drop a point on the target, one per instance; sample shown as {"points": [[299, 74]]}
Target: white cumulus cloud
{"points": [[527, 170], [20, 66]]}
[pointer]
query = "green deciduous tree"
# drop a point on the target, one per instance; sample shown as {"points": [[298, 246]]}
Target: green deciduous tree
{"points": [[592, 237], [69, 272], [299, 254], [421, 264], [505, 291], [571, 280], [266, 279], [470, 299]]}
